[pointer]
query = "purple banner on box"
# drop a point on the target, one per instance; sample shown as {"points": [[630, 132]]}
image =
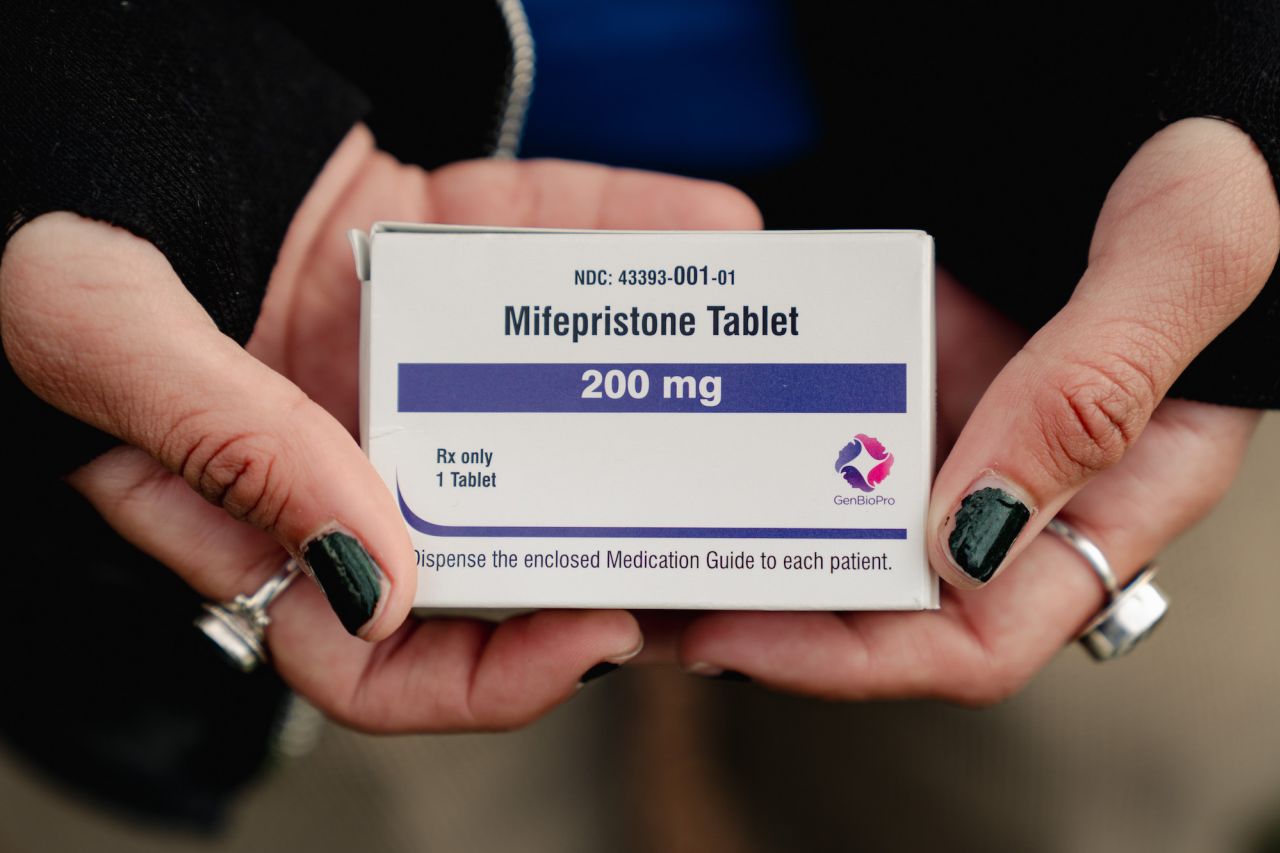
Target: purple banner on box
{"points": [[707, 388]]}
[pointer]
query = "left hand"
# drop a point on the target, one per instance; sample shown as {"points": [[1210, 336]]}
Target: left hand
{"points": [[236, 456], [1073, 422]]}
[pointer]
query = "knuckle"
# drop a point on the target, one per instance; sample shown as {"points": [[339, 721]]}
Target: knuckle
{"points": [[239, 473], [1090, 413]]}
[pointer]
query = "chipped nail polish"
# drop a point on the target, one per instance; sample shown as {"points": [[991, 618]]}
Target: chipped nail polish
{"points": [[711, 672], [598, 671], [349, 577], [732, 675], [986, 524]]}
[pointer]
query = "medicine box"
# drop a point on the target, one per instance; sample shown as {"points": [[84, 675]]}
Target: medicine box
{"points": [[722, 420]]}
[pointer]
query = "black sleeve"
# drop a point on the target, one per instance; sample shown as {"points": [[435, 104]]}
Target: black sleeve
{"points": [[197, 126], [1225, 63], [200, 127], [999, 127]]}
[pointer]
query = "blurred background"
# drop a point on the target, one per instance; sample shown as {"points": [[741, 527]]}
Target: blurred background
{"points": [[1174, 748]]}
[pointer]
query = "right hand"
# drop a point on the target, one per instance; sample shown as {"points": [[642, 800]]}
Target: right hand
{"points": [[95, 321], [1073, 420]]}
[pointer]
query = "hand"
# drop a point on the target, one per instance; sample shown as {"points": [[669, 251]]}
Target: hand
{"points": [[1074, 421], [95, 321]]}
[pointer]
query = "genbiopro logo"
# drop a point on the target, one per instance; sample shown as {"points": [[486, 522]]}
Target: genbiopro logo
{"points": [[881, 462]]}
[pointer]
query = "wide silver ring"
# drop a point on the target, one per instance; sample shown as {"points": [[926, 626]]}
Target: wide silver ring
{"points": [[1131, 613], [238, 627]]}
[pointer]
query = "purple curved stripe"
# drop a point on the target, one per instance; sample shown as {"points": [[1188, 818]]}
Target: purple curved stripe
{"points": [[848, 453], [873, 445], [853, 477], [423, 526]]}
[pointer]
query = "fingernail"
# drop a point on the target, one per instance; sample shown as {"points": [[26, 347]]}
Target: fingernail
{"points": [[598, 671], [712, 672], [987, 522], [706, 670], [732, 675], [351, 580], [610, 664]]}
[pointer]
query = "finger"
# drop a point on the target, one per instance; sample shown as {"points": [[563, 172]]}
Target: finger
{"points": [[1187, 237], [560, 194], [95, 321], [1187, 459], [981, 646], [453, 674], [439, 675]]}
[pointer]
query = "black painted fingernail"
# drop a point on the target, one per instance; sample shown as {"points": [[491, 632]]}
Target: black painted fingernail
{"points": [[732, 675], [711, 672], [598, 671], [351, 580], [987, 522]]}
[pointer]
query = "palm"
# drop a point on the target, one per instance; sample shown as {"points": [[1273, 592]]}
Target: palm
{"points": [[443, 673], [981, 645], [309, 330]]}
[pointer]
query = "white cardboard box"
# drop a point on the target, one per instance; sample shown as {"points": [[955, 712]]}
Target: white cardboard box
{"points": [[716, 420]]}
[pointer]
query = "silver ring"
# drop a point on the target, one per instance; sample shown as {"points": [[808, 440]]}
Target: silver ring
{"points": [[238, 627], [1131, 613]]}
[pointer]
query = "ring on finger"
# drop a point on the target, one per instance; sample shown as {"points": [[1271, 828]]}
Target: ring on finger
{"points": [[1131, 613], [238, 627]]}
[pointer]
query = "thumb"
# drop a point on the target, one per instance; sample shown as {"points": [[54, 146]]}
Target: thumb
{"points": [[95, 321], [1186, 239]]}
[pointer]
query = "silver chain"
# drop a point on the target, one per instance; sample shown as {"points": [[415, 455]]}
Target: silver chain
{"points": [[519, 80]]}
